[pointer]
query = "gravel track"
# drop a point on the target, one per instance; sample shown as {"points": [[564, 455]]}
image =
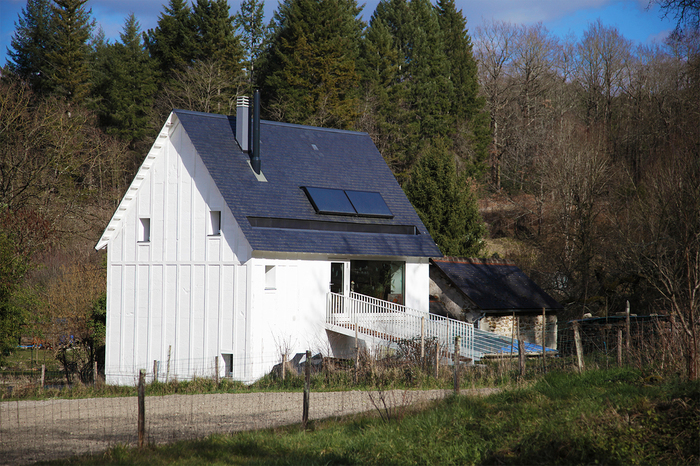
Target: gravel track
{"points": [[33, 431]]}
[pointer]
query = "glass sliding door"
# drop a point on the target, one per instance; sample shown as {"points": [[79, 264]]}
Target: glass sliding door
{"points": [[379, 279]]}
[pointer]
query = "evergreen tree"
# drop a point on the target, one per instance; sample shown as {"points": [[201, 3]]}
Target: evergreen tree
{"points": [[421, 93], [309, 64], [471, 134], [172, 43], [67, 61], [31, 42], [249, 21], [383, 102], [445, 202], [126, 84], [218, 44], [214, 32]]}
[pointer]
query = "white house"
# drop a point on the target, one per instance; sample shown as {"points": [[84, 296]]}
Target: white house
{"points": [[209, 257]]}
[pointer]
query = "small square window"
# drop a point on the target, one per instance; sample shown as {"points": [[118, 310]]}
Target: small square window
{"points": [[145, 230], [215, 222], [270, 277]]}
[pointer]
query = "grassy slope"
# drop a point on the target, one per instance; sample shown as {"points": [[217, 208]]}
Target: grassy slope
{"points": [[606, 417]]}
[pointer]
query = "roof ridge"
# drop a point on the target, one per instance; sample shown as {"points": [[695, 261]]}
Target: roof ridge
{"points": [[475, 260], [271, 122]]}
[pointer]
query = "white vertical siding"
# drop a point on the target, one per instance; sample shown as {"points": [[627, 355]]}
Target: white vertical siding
{"points": [[179, 290]]}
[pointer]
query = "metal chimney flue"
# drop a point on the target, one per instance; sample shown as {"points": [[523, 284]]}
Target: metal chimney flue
{"points": [[255, 159]]}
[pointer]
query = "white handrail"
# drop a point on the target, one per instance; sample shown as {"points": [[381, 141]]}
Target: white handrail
{"points": [[392, 322]]}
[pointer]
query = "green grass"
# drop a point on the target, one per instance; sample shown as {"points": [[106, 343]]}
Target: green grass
{"points": [[606, 417]]}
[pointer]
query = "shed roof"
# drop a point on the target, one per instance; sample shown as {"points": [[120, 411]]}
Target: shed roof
{"points": [[276, 214], [495, 285]]}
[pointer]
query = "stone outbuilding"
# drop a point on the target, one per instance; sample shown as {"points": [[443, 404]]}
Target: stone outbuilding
{"points": [[494, 295]]}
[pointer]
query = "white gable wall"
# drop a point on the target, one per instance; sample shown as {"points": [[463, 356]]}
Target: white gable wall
{"points": [[184, 292]]}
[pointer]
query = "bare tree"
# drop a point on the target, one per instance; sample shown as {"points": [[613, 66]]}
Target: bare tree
{"points": [[603, 55], [494, 43], [579, 176], [685, 12], [667, 247]]}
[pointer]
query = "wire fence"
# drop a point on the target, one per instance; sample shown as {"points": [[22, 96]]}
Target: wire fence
{"points": [[299, 388]]}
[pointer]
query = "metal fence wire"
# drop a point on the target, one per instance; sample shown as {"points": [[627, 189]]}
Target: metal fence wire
{"points": [[35, 430]]}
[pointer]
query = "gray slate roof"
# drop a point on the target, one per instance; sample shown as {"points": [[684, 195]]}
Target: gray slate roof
{"points": [[495, 285], [342, 159]]}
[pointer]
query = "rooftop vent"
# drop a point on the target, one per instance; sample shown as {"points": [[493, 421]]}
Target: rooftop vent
{"points": [[242, 123]]}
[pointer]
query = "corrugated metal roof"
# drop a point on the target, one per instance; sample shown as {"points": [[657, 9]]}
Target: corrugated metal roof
{"points": [[495, 285], [294, 156]]}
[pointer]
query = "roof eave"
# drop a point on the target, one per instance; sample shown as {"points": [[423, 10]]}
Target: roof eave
{"points": [[115, 223]]}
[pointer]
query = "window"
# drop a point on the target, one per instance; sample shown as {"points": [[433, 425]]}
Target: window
{"points": [[228, 365], [270, 277], [145, 230], [215, 222], [379, 279]]}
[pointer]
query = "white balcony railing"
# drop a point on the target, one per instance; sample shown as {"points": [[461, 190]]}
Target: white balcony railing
{"points": [[393, 322]]}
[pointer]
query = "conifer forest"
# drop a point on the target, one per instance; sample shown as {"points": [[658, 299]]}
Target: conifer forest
{"points": [[578, 158]]}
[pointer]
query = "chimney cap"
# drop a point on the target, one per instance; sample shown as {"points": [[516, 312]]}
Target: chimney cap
{"points": [[242, 101]]}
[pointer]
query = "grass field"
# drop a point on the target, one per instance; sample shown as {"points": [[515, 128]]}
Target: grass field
{"points": [[601, 417]]}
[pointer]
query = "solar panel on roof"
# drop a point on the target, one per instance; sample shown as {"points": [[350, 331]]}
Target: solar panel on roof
{"points": [[330, 201], [369, 204], [347, 202]]}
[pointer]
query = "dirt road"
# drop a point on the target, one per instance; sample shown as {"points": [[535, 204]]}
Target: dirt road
{"points": [[39, 430]]}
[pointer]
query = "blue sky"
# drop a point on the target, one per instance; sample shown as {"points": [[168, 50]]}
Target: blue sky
{"points": [[561, 17]]}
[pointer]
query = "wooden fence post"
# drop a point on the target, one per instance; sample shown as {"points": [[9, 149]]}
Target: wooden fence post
{"points": [[521, 351], [422, 340], [307, 388], [216, 370], [357, 357], [284, 366], [619, 347], [544, 334], [456, 364], [437, 358], [627, 338], [579, 348], [43, 375], [142, 408], [167, 372]]}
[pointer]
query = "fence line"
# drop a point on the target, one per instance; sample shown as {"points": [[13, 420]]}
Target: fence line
{"points": [[54, 428]]}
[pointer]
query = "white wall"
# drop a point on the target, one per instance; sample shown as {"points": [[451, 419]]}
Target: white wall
{"points": [[183, 292], [418, 284]]}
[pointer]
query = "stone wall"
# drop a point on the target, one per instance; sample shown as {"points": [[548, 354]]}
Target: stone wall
{"points": [[530, 327]]}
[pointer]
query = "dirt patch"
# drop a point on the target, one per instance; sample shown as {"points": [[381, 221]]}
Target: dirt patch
{"points": [[33, 431]]}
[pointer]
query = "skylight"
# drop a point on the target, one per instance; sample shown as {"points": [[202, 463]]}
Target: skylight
{"points": [[347, 202]]}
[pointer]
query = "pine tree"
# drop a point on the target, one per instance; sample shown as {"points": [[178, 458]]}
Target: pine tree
{"points": [[172, 43], [421, 92], [126, 84], [309, 74], [445, 202], [32, 40], [67, 62], [218, 44], [215, 36], [249, 21], [471, 133]]}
